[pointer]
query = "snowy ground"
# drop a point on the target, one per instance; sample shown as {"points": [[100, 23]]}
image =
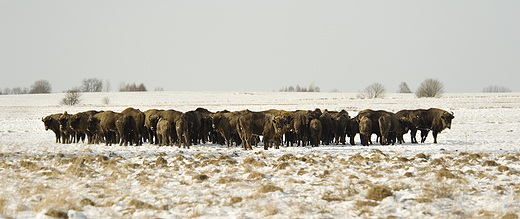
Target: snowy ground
{"points": [[472, 173]]}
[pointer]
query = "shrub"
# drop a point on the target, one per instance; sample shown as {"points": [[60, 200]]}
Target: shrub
{"points": [[40, 86], [376, 90], [430, 88], [72, 97]]}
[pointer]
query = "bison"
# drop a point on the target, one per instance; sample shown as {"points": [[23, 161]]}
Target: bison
{"points": [[225, 123], [51, 122], [365, 130], [164, 132], [434, 119], [139, 119], [259, 123], [103, 124], [79, 122], [315, 130]]}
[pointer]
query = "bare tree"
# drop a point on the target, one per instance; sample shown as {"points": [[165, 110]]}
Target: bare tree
{"points": [[72, 97], [496, 89], [107, 86], [158, 89], [20, 90], [41, 86], [403, 88], [430, 88], [105, 100], [376, 90], [91, 85], [7, 91]]}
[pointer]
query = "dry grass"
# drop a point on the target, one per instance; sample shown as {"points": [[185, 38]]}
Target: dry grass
{"points": [[269, 188], [379, 192], [341, 179]]}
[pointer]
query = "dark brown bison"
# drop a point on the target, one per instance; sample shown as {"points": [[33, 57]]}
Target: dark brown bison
{"points": [[352, 130], [139, 119], [433, 119], [68, 134], [194, 120], [225, 123], [340, 121], [315, 129], [206, 124], [301, 120], [150, 126], [51, 122], [79, 122], [365, 130], [259, 123], [326, 127], [127, 129], [301, 126], [384, 124], [410, 118], [182, 130], [103, 124]]}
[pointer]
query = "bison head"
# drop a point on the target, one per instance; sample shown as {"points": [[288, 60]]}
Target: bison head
{"points": [[446, 119], [47, 122], [74, 121], [280, 124]]}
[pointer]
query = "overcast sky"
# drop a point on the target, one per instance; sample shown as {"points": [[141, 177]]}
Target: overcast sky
{"points": [[261, 45]]}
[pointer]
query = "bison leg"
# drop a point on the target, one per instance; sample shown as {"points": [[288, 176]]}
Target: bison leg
{"points": [[435, 136], [413, 133], [424, 134]]}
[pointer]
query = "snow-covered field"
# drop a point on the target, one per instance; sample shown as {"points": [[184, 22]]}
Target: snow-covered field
{"points": [[474, 171]]}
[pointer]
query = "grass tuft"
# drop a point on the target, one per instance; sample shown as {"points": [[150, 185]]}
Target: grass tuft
{"points": [[270, 188], [379, 193]]}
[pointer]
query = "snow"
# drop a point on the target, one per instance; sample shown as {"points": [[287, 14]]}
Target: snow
{"points": [[455, 180]]}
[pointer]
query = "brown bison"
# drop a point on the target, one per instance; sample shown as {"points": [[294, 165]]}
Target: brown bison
{"points": [[410, 120], [384, 124], [164, 132], [326, 127], [435, 120], [149, 126], [182, 130], [139, 119], [259, 123], [68, 134], [365, 130], [103, 124], [127, 129], [225, 123], [315, 130], [79, 122], [51, 122], [340, 121]]}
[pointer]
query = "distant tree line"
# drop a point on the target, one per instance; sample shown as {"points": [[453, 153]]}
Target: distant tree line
{"points": [[123, 87], [496, 89], [311, 88], [38, 87]]}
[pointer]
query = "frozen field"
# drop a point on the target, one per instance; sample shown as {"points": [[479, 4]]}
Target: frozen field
{"points": [[474, 171]]}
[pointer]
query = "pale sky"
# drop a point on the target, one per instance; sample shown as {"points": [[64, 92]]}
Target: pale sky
{"points": [[261, 45]]}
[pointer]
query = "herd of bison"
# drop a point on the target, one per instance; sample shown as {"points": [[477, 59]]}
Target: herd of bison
{"points": [[277, 127]]}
